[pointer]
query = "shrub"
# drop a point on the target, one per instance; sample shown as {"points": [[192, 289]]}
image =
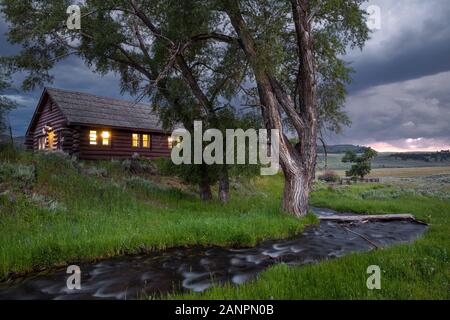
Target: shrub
{"points": [[95, 171], [329, 176], [17, 175], [138, 165]]}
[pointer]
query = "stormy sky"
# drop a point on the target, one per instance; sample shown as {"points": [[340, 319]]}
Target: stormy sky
{"points": [[399, 99]]}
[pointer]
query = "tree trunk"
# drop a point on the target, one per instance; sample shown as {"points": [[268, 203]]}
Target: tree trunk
{"points": [[295, 195], [298, 166], [224, 185], [205, 185]]}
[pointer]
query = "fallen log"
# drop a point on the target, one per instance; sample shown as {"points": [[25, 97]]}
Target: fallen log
{"points": [[362, 218]]}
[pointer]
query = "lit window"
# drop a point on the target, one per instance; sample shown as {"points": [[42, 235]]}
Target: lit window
{"points": [[42, 143], [93, 137], [105, 138], [173, 142], [136, 140], [146, 141]]}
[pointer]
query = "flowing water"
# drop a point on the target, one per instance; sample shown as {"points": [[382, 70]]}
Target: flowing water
{"points": [[196, 268]]}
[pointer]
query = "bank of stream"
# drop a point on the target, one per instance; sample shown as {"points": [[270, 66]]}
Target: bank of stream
{"points": [[198, 268]]}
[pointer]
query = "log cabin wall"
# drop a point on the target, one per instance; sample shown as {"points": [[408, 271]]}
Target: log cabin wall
{"points": [[120, 145], [48, 115]]}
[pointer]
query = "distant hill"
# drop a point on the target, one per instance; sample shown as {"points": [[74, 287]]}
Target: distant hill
{"points": [[341, 148]]}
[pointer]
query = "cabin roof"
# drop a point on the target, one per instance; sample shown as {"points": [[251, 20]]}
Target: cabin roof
{"points": [[88, 109]]}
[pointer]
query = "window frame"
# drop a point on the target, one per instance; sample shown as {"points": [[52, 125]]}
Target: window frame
{"points": [[149, 141], [103, 139], [91, 140], [42, 142], [99, 138], [138, 140]]}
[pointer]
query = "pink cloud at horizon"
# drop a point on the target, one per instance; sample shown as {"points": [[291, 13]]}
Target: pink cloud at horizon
{"points": [[411, 145]]}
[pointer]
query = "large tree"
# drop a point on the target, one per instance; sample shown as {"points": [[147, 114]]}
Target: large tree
{"points": [[310, 35], [161, 50], [292, 49]]}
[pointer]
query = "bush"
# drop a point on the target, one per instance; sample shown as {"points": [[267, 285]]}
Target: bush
{"points": [[138, 165], [95, 171], [329, 176], [19, 176]]}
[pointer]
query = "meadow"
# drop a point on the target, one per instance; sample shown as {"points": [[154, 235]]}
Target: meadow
{"points": [[55, 210], [382, 161], [420, 270]]}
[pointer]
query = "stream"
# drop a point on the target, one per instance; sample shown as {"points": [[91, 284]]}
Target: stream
{"points": [[197, 268]]}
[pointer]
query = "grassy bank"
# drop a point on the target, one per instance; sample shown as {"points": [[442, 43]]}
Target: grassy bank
{"points": [[412, 271], [54, 210]]}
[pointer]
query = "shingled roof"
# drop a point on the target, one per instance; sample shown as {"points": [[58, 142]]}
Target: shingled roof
{"points": [[87, 109]]}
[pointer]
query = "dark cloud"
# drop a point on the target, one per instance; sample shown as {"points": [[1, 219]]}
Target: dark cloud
{"points": [[414, 41], [409, 114], [400, 97]]}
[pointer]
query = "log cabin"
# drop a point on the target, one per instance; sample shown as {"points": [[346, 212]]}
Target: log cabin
{"points": [[96, 128]]}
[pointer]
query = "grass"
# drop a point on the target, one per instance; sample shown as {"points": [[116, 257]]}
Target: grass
{"points": [[54, 211], [402, 172], [382, 161], [410, 271]]}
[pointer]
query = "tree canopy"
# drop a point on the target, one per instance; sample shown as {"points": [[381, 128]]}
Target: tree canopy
{"points": [[194, 59]]}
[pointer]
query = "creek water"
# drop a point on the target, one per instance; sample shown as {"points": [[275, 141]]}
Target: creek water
{"points": [[198, 268]]}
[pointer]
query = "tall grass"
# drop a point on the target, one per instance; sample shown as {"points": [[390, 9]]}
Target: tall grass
{"points": [[63, 215], [411, 271]]}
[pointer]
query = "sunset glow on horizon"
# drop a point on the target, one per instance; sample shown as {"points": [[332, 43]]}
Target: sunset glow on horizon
{"points": [[410, 145]]}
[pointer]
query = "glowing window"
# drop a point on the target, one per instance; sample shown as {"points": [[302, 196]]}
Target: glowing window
{"points": [[42, 143], [106, 135], [171, 142], [93, 137], [135, 140], [146, 141]]}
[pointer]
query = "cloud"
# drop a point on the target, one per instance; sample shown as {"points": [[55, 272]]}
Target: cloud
{"points": [[411, 114], [419, 144], [19, 99], [400, 88], [414, 41]]}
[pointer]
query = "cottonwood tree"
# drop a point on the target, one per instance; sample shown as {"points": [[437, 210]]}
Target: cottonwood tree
{"points": [[160, 49], [314, 33], [121, 36]]}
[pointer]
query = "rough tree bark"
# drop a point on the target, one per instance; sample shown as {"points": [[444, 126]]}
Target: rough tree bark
{"points": [[307, 86], [298, 166]]}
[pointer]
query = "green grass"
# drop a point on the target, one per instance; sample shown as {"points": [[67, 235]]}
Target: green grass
{"points": [[383, 160], [53, 213], [410, 271]]}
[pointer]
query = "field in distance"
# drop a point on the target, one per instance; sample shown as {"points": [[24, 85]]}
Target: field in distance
{"points": [[383, 160]]}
